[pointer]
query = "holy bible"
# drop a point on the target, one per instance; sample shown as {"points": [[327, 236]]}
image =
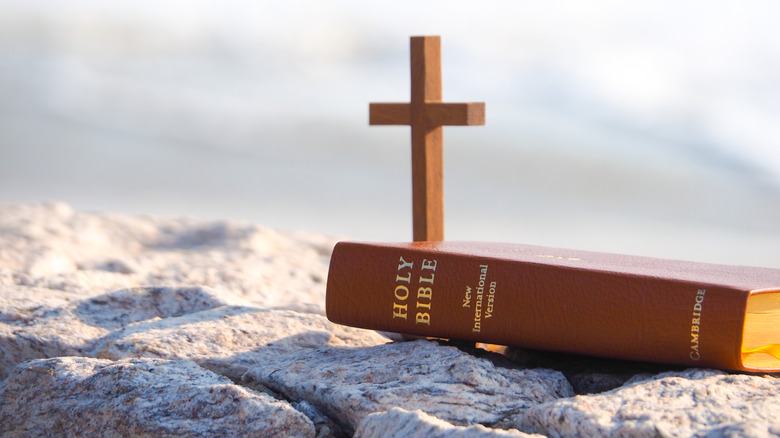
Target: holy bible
{"points": [[608, 305]]}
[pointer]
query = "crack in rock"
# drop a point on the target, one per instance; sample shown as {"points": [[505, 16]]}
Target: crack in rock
{"points": [[351, 383]]}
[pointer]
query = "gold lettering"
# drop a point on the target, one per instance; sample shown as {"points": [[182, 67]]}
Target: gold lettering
{"points": [[696, 324], [467, 298], [424, 293], [403, 264], [423, 318], [426, 280], [491, 300], [405, 291], [478, 300], [407, 279], [399, 310]]}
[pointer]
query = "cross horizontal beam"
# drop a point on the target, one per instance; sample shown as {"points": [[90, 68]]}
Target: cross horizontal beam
{"points": [[436, 114]]}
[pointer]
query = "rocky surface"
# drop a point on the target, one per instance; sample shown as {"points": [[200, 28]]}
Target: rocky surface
{"points": [[229, 340], [695, 402], [54, 247], [138, 397], [443, 381], [400, 422], [116, 325]]}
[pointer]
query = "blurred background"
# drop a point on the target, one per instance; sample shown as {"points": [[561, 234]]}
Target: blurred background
{"points": [[637, 127]]}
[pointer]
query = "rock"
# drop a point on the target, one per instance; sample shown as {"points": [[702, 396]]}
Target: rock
{"points": [[40, 323], [138, 397], [118, 309], [587, 375], [227, 339], [51, 246], [348, 384], [174, 323], [324, 425], [401, 423], [170, 323], [695, 402]]}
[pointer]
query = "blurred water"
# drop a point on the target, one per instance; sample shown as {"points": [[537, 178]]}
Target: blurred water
{"points": [[646, 128]]}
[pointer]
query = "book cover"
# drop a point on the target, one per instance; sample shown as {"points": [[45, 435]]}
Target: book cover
{"points": [[608, 305]]}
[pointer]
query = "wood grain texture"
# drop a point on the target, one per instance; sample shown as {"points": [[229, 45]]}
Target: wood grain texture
{"points": [[389, 114], [436, 114], [455, 114]]}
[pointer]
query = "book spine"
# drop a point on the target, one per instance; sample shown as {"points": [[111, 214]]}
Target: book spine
{"points": [[535, 305]]}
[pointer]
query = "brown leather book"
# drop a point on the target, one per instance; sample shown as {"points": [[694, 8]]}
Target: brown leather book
{"points": [[608, 305]]}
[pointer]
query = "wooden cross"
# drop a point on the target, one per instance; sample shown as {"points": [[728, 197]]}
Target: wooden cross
{"points": [[426, 114]]}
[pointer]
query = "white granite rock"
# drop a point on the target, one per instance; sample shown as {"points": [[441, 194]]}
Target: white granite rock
{"points": [[695, 402], [398, 422], [227, 339], [52, 246], [170, 323], [348, 384], [38, 323], [140, 397], [69, 279], [118, 309]]}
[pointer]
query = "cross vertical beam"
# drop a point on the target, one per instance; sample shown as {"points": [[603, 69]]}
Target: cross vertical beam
{"points": [[427, 114], [427, 154]]}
